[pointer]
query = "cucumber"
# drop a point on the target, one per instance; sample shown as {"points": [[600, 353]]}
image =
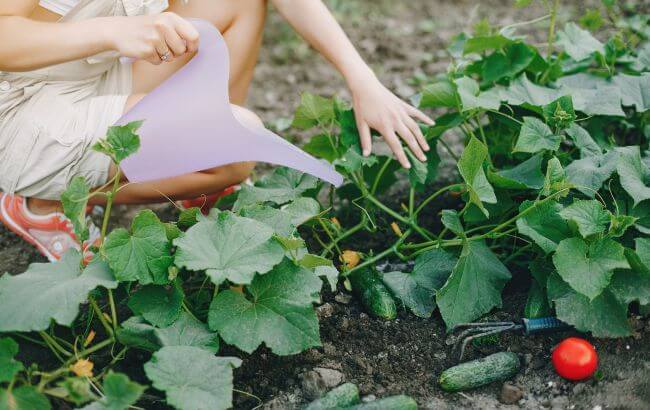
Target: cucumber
{"points": [[389, 403], [497, 367], [343, 396], [374, 295]]}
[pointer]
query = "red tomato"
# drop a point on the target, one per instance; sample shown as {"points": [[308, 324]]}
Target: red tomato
{"points": [[575, 359]]}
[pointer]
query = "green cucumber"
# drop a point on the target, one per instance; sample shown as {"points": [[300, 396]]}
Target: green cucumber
{"points": [[389, 403], [343, 396], [374, 295], [497, 367]]}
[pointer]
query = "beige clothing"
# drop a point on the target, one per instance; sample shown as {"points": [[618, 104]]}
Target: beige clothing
{"points": [[51, 117]]}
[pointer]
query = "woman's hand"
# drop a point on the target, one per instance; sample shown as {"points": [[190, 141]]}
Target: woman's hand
{"points": [[377, 108], [156, 39]]}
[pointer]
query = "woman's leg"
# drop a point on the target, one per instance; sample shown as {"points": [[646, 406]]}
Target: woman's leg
{"points": [[241, 23]]}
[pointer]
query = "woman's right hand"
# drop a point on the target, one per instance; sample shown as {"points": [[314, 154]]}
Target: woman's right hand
{"points": [[152, 37]]}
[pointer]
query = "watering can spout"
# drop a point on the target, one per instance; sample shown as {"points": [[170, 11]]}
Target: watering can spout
{"points": [[189, 124]]}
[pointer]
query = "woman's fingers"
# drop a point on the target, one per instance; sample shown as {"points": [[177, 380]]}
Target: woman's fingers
{"points": [[415, 113], [396, 146], [365, 136], [189, 34], [415, 129], [174, 42], [411, 141]]}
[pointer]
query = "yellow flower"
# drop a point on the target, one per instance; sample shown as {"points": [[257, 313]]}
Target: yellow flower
{"points": [[350, 258], [396, 229], [90, 338], [83, 368]]}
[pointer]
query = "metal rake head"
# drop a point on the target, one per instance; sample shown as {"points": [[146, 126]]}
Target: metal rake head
{"points": [[464, 333]]}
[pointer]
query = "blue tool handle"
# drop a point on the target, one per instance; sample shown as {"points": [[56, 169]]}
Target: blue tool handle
{"points": [[544, 324]]}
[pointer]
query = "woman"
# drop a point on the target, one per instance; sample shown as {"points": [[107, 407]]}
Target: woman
{"points": [[62, 84]]}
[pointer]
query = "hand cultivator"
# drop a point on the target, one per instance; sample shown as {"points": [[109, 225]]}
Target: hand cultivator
{"points": [[466, 332]]}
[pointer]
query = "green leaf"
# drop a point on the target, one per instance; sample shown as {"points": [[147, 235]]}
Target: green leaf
{"points": [[560, 114], [634, 285], [284, 222], [417, 289], [422, 174], [619, 224], [579, 44], [527, 175], [590, 217], [313, 110], [186, 331], [77, 389], [555, 179], [9, 367], [514, 58], [322, 267], [321, 146], [483, 43], [581, 138], [635, 90], [276, 310], [474, 287], [205, 384], [471, 97], [543, 225], [120, 142], [159, 305], [23, 398], [587, 175], [142, 254], [603, 316], [440, 94], [451, 220], [282, 186], [588, 268], [634, 174], [74, 201], [535, 136], [232, 248], [470, 167], [120, 393], [50, 291], [353, 161]]}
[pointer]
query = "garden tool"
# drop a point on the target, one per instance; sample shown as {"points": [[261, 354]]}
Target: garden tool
{"points": [[189, 125], [473, 331]]}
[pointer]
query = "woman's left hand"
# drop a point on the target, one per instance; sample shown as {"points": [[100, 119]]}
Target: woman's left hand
{"points": [[377, 108]]}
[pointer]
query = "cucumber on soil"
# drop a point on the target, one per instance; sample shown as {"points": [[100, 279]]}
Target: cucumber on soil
{"points": [[497, 367], [374, 295], [389, 403], [345, 395]]}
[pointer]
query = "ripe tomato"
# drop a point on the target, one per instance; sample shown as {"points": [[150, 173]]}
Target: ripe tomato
{"points": [[575, 359]]}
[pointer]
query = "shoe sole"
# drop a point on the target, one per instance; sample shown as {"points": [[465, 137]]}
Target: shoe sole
{"points": [[6, 219]]}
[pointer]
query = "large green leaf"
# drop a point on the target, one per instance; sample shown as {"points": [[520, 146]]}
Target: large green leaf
{"points": [[589, 174], [536, 136], [417, 290], [634, 174], [480, 44], [635, 90], [23, 398], [471, 97], [74, 200], [282, 186], [159, 305], [9, 367], [423, 174], [186, 331], [579, 44], [527, 175], [192, 378], [603, 316], [440, 94], [322, 146], [232, 248], [313, 110], [474, 287], [142, 254], [450, 218], [470, 167], [634, 285], [508, 63], [276, 310], [581, 138], [588, 267], [543, 225], [120, 393], [590, 217], [286, 220], [50, 292]]}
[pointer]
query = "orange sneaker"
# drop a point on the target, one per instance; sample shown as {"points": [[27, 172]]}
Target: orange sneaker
{"points": [[53, 235], [206, 202]]}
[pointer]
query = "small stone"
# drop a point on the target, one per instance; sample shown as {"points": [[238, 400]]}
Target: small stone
{"points": [[559, 402], [325, 310], [510, 394], [528, 359], [330, 377], [363, 316], [343, 298], [313, 385], [345, 323], [578, 388], [369, 398]]}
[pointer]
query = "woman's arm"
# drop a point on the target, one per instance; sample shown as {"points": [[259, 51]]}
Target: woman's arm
{"points": [[28, 44], [375, 106]]}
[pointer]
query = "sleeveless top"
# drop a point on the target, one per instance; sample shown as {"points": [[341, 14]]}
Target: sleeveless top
{"points": [[61, 7]]}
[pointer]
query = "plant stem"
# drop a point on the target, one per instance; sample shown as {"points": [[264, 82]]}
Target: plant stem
{"points": [[378, 257], [53, 344], [109, 204], [435, 195], [100, 316], [381, 172], [111, 301], [551, 29], [346, 234]]}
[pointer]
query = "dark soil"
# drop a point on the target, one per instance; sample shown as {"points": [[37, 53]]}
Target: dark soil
{"points": [[402, 41]]}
